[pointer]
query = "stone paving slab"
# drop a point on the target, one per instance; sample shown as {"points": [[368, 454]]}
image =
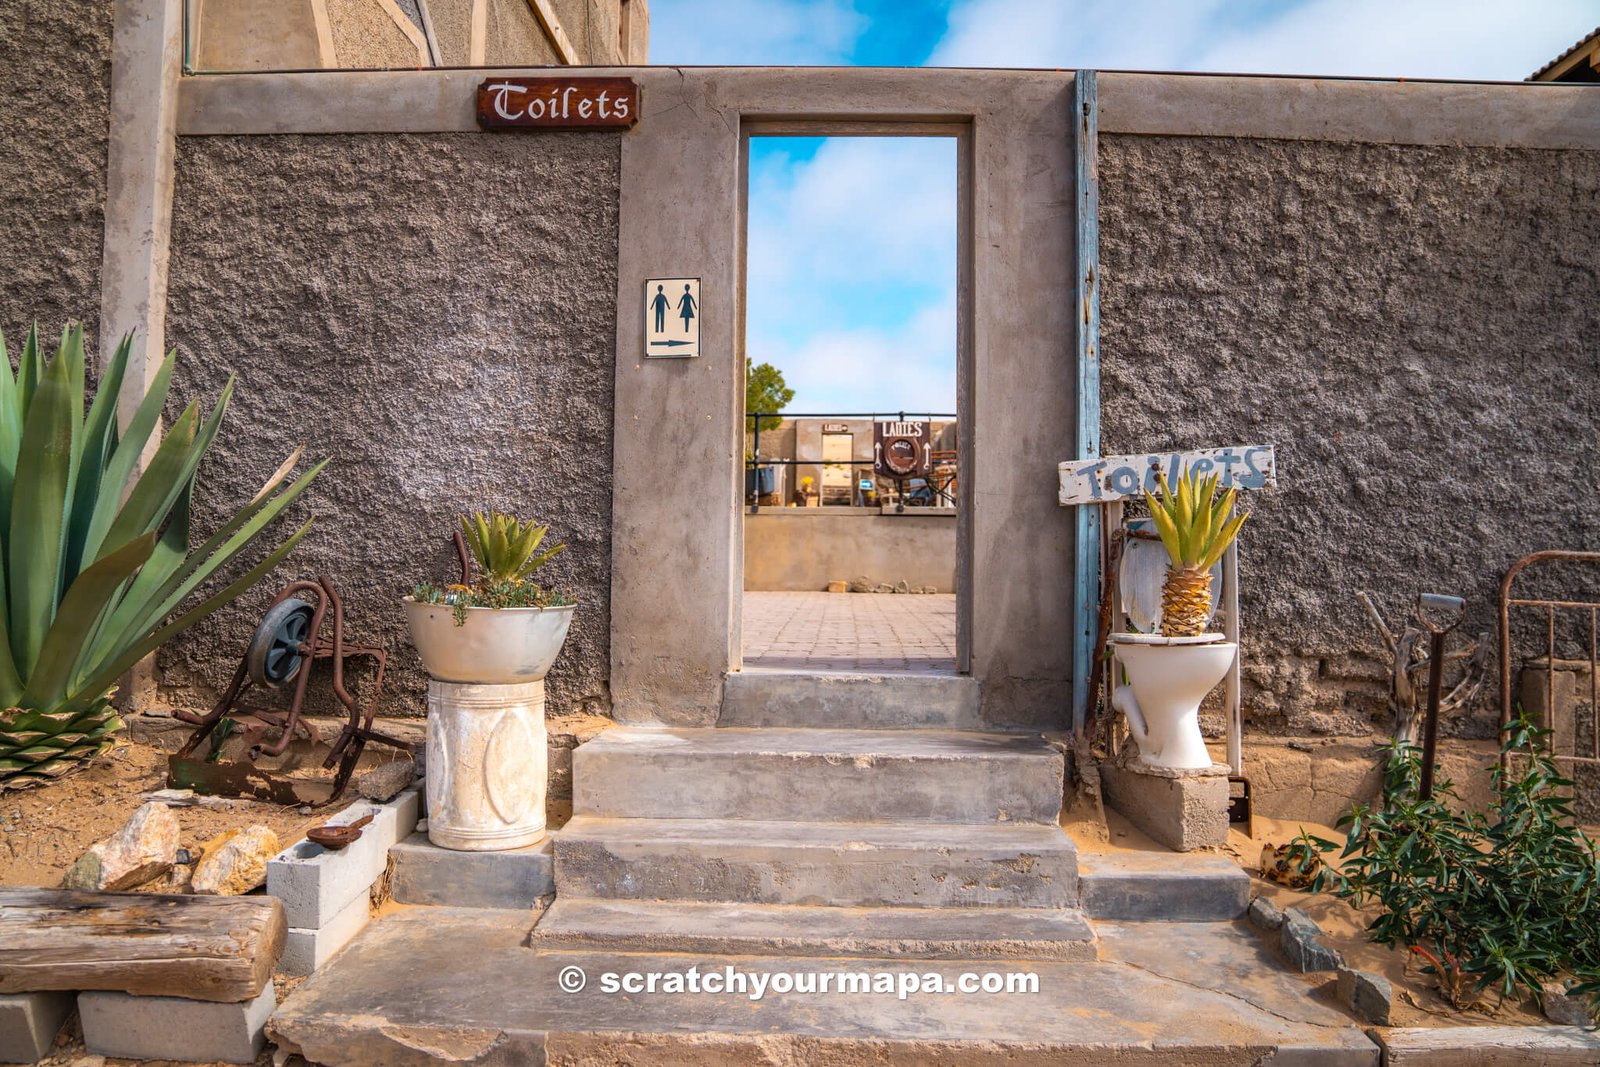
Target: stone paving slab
{"points": [[1489, 1046], [885, 633], [435, 984]]}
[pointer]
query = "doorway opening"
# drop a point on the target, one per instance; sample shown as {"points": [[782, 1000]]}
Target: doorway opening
{"points": [[852, 339]]}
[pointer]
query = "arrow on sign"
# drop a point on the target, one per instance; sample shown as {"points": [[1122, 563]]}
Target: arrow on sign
{"points": [[673, 344]]}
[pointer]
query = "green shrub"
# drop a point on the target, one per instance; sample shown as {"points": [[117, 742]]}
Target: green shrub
{"points": [[1499, 900]]}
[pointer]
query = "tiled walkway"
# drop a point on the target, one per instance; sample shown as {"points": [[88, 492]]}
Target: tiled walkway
{"points": [[913, 633]]}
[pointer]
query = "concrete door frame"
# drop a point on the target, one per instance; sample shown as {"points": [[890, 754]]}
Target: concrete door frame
{"points": [[677, 542], [961, 133]]}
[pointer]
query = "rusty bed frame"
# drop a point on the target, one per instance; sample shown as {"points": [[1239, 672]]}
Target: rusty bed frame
{"points": [[1551, 607]]}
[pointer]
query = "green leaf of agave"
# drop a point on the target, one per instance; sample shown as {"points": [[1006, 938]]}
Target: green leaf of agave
{"points": [[135, 617], [113, 669], [98, 447], [130, 447], [80, 613], [10, 433], [39, 506]]}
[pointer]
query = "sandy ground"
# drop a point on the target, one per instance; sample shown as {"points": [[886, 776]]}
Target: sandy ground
{"points": [[1416, 1001], [44, 829]]}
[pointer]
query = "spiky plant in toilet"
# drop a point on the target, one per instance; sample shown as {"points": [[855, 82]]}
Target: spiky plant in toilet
{"points": [[94, 547], [1196, 526]]}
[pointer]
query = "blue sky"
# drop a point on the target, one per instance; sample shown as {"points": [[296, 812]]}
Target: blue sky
{"points": [[852, 240]]}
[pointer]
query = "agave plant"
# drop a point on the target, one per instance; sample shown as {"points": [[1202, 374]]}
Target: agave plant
{"points": [[1196, 529], [94, 547], [507, 550]]}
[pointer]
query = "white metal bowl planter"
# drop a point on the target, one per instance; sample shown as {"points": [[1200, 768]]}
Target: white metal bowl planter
{"points": [[487, 765], [494, 646]]}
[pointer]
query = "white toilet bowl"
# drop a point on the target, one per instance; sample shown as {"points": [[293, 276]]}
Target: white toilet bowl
{"points": [[1168, 678]]}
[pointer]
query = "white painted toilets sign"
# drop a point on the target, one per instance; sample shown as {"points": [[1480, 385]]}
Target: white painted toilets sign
{"points": [[1111, 478], [672, 318], [558, 103]]}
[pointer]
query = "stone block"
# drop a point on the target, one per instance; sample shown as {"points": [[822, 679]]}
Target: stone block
{"points": [[29, 1023], [424, 873], [306, 950], [171, 1028], [316, 884], [1302, 944], [1162, 887], [1568, 1009], [1265, 914], [1182, 809], [1369, 995]]}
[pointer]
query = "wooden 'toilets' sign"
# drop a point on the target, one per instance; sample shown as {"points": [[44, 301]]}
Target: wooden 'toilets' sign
{"points": [[1112, 478], [558, 103]]}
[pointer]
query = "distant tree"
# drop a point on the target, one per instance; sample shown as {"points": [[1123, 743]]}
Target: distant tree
{"points": [[765, 391]]}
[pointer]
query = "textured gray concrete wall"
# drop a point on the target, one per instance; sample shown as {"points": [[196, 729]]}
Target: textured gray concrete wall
{"points": [[803, 549], [55, 79], [436, 314], [1416, 328]]}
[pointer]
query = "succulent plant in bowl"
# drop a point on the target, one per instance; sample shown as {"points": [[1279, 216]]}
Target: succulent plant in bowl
{"points": [[507, 627]]}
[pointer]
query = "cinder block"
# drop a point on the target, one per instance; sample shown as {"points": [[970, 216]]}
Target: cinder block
{"points": [[1183, 809], [29, 1023], [306, 950], [171, 1028], [424, 873], [316, 885]]}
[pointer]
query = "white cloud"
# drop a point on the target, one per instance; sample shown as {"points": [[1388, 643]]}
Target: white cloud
{"points": [[891, 202], [1465, 39], [909, 365], [754, 32], [851, 273]]}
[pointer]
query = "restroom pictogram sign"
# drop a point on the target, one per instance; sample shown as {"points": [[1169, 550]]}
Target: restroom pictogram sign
{"points": [[672, 318]]}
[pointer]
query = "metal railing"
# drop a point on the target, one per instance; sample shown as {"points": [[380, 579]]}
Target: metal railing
{"points": [[936, 490]]}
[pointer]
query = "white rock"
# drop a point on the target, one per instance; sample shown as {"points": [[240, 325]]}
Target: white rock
{"points": [[145, 848]]}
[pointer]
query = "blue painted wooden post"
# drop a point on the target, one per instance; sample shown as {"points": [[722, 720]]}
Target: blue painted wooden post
{"points": [[1086, 294]]}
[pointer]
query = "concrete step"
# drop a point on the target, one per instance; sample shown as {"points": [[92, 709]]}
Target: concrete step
{"points": [[424, 873], [425, 985], [1162, 886], [765, 697], [575, 924], [1019, 865], [780, 774]]}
